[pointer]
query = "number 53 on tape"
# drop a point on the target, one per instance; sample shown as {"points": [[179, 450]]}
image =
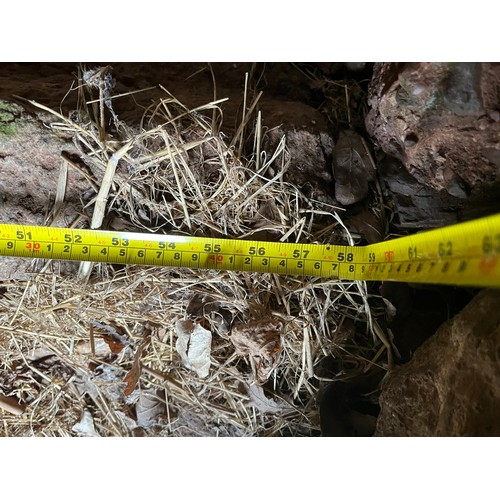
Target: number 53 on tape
{"points": [[463, 254]]}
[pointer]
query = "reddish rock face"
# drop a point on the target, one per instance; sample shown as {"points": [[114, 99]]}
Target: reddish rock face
{"points": [[441, 122], [450, 386]]}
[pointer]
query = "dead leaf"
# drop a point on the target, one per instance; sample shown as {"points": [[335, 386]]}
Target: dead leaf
{"points": [[345, 333], [134, 374], [128, 422], [352, 168], [115, 346], [116, 336], [101, 348], [39, 353], [261, 340], [200, 306], [194, 346], [149, 408], [390, 310], [262, 403], [368, 225], [267, 214], [85, 427], [163, 334], [10, 404]]}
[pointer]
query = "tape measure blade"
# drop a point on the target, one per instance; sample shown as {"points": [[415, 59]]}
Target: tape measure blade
{"points": [[463, 254]]}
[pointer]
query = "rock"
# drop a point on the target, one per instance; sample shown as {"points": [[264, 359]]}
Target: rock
{"points": [[352, 168], [355, 66], [308, 142], [415, 205], [416, 311], [451, 387], [30, 162], [441, 122]]}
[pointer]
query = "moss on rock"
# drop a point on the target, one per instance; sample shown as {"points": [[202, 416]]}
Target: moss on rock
{"points": [[10, 118]]}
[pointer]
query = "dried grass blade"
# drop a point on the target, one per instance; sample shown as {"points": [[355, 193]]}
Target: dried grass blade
{"points": [[177, 180], [102, 199], [243, 123], [60, 193]]}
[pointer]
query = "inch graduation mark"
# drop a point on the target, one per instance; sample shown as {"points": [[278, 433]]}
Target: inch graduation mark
{"points": [[440, 256]]}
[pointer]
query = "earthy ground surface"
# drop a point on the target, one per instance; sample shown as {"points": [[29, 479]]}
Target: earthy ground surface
{"points": [[343, 149]]}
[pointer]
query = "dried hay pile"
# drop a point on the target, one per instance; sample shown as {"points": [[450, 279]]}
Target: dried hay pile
{"points": [[115, 351]]}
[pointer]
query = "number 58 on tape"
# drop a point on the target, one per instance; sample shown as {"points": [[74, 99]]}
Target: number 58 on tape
{"points": [[462, 254]]}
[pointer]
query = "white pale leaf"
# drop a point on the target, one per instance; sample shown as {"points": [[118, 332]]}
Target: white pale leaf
{"points": [[193, 345], [86, 426]]}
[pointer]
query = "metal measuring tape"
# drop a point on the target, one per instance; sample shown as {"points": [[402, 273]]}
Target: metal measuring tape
{"points": [[462, 254]]}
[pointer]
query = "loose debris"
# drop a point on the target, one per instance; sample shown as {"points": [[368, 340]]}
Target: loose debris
{"points": [[85, 427], [8, 403], [261, 341], [173, 352], [193, 345], [353, 168], [264, 404]]}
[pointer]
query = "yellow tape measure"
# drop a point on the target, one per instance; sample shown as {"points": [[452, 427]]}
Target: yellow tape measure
{"points": [[462, 254]]}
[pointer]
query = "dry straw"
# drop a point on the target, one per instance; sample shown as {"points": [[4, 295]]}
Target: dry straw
{"points": [[95, 354]]}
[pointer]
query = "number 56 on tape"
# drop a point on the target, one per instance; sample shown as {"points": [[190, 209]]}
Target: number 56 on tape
{"points": [[462, 254]]}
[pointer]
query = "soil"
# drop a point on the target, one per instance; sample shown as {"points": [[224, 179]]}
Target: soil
{"points": [[191, 83]]}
